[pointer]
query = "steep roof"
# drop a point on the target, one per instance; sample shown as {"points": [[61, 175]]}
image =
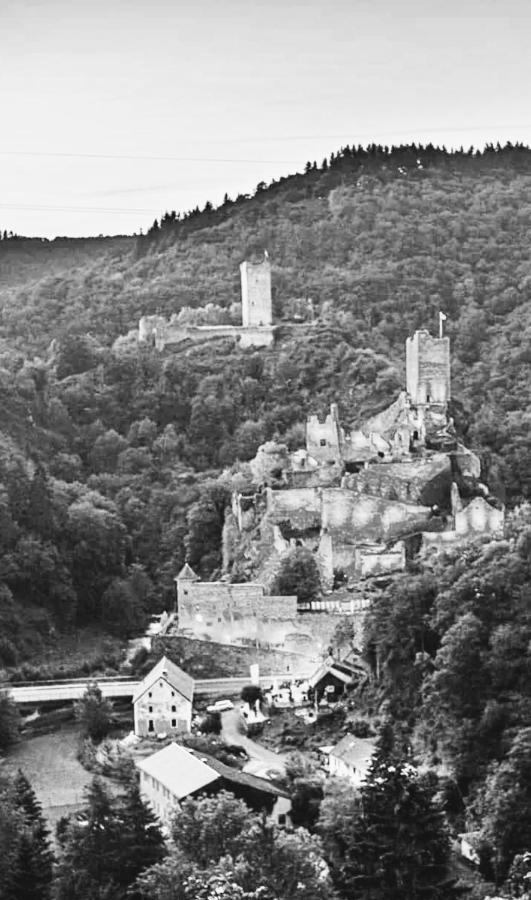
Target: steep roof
{"points": [[187, 574], [236, 776], [355, 752], [167, 670], [178, 770], [338, 670]]}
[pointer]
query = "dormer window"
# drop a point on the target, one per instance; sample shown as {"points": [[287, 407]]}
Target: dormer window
{"points": [[322, 442]]}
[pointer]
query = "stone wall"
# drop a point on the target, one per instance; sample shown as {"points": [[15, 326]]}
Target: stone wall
{"points": [[479, 517], [300, 506], [209, 659], [426, 480], [232, 613], [360, 519]]}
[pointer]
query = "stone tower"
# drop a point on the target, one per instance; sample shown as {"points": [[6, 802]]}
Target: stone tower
{"points": [[428, 369], [256, 293], [184, 581]]}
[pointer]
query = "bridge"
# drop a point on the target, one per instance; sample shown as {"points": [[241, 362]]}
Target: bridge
{"points": [[122, 686]]}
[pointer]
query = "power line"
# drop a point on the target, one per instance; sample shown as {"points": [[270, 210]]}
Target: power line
{"points": [[103, 209], [117, 156]]}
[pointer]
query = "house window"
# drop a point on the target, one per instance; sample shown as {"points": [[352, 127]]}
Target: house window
{"points": [[150, 725], [150, 694], [322, 442], [150, 709], [174, 723], [174, 709], [282, 818], [173, 693]]}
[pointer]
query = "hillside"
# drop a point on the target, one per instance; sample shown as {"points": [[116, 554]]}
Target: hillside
{"points": [[24, 260], [119, 446]]}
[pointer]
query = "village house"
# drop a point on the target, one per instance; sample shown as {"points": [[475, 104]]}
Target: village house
{"points": [[163, 701], [350, 758], [174, 773]]}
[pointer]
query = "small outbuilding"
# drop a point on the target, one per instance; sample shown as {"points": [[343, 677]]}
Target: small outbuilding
{"points": [[163, 701]]}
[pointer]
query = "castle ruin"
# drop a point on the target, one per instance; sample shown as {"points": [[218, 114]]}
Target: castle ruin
{"points": [[256, 329]]}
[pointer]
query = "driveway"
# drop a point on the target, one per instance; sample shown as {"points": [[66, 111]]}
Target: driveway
{"points": [[261, 759]]}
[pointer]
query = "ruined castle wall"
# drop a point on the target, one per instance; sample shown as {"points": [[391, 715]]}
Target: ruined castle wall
{"points": [[357, 519], [426, 480], [379, 562], [300, 506], [479, 518], [249, 336], [324, 439]]}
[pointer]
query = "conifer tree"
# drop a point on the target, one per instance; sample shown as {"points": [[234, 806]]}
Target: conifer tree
{"points": [[392, 845], [33, 867]]}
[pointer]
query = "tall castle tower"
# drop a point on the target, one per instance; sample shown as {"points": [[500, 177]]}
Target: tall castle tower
{"points": [[256, 293], [428, 369]]}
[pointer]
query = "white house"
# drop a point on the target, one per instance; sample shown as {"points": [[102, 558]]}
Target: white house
{"points": [[163, 701], [351, 758], [171, 775]]}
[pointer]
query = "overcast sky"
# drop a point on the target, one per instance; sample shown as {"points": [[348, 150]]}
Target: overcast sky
{"points": [[116, 110]]}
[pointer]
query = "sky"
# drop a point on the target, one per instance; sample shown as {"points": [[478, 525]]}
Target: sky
{"points": [[113, 111]]}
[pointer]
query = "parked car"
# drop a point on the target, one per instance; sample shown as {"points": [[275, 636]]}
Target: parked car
{"points": [[220, 706]]}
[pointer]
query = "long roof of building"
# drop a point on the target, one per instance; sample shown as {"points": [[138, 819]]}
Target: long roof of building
{"points": [[167, 670], [178, 770]]}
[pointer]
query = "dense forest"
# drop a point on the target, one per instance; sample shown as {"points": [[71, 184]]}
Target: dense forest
{"points": [[117, 461], [111, 451]]}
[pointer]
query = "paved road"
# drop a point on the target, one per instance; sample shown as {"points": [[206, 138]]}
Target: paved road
{"points": [[261, 759]]}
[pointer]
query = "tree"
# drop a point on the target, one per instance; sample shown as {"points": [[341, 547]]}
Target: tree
{"points": [[33, 868], [104, 853], [507, 804], [94, 713], [224, 850], [390, 842], [251, 693], [299, 575], [9, 721]]}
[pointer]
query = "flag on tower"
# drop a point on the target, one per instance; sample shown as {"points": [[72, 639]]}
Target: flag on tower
{"points": [[442, 318]]}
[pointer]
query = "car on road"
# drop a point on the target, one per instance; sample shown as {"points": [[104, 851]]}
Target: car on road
{"points": [[221, 706]]}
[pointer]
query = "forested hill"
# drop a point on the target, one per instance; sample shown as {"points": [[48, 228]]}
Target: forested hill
{"points": [[24, 260], [107, 448]]}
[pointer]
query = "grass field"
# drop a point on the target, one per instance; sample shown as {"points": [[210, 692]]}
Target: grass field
{"points": [[49, 762]]}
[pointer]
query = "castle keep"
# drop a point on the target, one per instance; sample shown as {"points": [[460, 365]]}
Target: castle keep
{"points": [[256, 329]]}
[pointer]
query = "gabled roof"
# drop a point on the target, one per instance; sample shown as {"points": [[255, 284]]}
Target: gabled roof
{"points": [[187, 574], [178, 770], [339, 671], [167, 670], [355, 752], [236, 776]]}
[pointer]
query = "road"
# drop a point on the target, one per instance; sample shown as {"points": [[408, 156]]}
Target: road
{"points": [[261, 759], [120, 686]]}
